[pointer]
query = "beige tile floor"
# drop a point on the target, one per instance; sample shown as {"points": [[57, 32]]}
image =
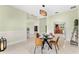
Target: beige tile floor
{"points": [[27, 47]]}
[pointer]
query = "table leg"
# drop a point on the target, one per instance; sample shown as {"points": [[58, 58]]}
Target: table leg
{"points": [[48, 44]]}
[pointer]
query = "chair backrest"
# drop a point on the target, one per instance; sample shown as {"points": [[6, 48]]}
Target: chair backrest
{"points": [[37, 35], [38, 42], [57, 39]]}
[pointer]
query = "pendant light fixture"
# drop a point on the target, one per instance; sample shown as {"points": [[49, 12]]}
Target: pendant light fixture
{"points": [[43, 11]]}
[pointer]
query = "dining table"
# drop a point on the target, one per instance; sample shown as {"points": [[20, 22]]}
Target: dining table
{"points": [[46, 38]]}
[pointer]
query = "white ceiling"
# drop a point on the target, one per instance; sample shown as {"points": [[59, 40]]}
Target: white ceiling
{"points": [[51, 9]]}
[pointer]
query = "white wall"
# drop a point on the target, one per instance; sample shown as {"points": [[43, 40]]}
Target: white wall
{"points": [[42, 24], [31, 22], [78, 21], [67, 17], [13, 24]]}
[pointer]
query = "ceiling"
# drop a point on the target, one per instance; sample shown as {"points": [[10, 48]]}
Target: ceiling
{"points": [[51, 9]]}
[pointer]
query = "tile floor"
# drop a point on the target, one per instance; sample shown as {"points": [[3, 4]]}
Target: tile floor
{"points": [[27, 47]]}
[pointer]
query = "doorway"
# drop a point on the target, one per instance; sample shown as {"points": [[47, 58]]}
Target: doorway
{"points": [[28, 32], [42, 25]]}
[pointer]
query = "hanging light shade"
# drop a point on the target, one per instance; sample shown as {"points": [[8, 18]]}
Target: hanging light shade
{"points": [[43, 11], [3, 44]]}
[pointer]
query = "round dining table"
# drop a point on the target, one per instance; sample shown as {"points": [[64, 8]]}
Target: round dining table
{"points": [[45, 40]]}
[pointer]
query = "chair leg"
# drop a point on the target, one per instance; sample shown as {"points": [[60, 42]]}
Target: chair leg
{"points": [[55, 49], [57, 46], [48, 48], [34, 49], [41, 51]]}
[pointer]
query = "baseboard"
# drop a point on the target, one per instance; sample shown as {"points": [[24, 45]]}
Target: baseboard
{"points": [[15, 42]]}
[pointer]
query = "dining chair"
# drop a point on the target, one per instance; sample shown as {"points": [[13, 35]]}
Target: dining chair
{"points": [[38, 43], [55, 43]]}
